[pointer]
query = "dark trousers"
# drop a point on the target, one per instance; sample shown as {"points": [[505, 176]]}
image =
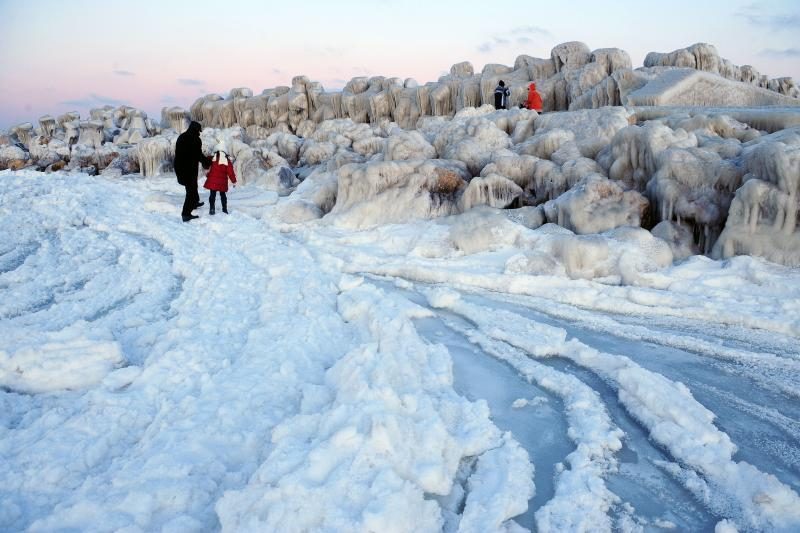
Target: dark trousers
{"points": [[192, 197], [212, 199]]}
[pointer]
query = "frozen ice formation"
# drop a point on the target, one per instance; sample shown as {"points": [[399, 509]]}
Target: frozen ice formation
{"points": [[702, 56], [762, 219], [701, 151]]}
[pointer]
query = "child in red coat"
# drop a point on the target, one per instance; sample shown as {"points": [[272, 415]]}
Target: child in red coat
{"points": [[217, 178]]}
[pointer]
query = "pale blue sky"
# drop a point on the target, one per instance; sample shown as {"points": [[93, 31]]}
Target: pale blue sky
{"points": [[62, 55]]}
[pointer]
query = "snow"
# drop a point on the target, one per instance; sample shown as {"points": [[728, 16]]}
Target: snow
{"points": [[421, 314], [246, 374]]}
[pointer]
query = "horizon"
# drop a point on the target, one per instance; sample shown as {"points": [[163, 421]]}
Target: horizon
{"points": [[124, 65]]}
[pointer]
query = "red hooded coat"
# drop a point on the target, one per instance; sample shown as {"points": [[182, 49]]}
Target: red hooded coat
{"points": [[218, 175], [534, 99]]}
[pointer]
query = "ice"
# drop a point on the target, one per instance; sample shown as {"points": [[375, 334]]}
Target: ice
{"points": [[596, 204], [175, 118], [153, 153], [704, 57], [687, 87], [493, 190], [407, 384], [395, 191], [472, 140], [763, 215]]}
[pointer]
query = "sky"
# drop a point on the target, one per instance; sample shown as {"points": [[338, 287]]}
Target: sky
{"points": [[58, 56]]}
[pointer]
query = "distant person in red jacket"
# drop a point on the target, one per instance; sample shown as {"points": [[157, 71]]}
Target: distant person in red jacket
{"points": [[217, 179], [534, 99]]}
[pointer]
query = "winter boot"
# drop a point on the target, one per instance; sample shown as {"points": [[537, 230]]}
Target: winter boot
{"points": [[225, 206], [211, 210]]}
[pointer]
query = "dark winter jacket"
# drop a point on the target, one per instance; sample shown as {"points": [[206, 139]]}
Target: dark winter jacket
{"points": [[219, 174], [188, 153], [501, 94]]}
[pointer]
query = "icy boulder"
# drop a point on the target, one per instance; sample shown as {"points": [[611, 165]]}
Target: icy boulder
{"points": [[678, 237], [279, 179], [408, 145], [470, 140], [571, 55], [633, 153], [592, 129], [695, 186], [596, 204], [397, 191], [319, 188], [712, 124], [12, 157], [175, 118], [24, 133], [493, 190], [482, 229], [155, 155], [314, 153], [763, 215]]}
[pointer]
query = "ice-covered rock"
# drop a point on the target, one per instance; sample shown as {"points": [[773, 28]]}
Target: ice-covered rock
{"points": [[695, 186], [482, 229], [596, 204], [632, 155], [493, 190], [679, 238], [12, 157], [570, 55], [763, 215], [470, 140], [47, 126], [24, 133], [175, 118], [408, 145], [91, 133], [397, 191], [704, 57], [591, 129], [155, 155]]}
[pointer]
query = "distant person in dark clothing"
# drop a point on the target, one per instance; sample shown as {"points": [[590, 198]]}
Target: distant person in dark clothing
{"points": [[501, 94], [188, 153]]}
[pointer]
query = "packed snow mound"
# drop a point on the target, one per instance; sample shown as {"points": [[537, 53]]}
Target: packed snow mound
{"points": [[71, 359], [397, 191]]}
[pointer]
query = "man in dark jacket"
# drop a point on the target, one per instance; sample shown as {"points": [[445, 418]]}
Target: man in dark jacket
{"points": [[501, 94], [188, 153]]}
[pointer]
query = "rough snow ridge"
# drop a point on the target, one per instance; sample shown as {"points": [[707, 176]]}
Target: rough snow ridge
{"points": [[582, 500], [341, 464], [674, 418]]}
